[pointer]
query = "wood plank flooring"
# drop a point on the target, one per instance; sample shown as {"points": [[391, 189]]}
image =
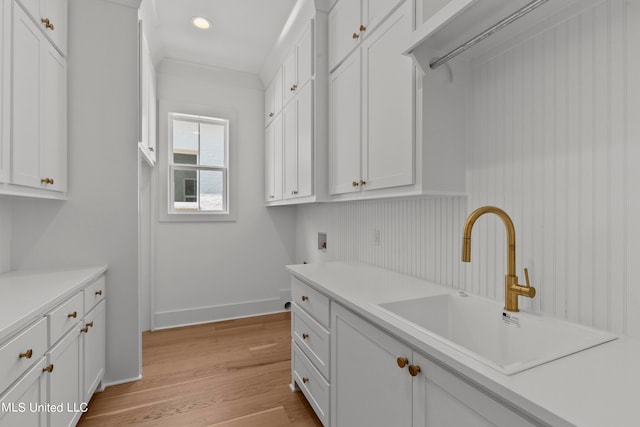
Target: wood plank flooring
{"points": [[233, 373]]}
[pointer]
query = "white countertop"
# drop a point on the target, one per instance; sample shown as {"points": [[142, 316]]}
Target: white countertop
{"points": [[25, 295], [595, 387]]}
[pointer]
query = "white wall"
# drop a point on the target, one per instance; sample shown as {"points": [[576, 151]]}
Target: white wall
{"points": [[555, 143], [98, 223], [206, 271]]}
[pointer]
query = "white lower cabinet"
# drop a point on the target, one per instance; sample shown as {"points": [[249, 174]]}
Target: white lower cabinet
{"points": [[50, 369], [93, 351], [64, 380]]}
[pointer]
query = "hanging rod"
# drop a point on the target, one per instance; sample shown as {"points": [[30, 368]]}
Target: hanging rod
{"points": [[486, 33]]}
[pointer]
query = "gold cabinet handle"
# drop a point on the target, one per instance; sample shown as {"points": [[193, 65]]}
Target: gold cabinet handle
{"points": [[89, 324], [305, 298], [85, 329], [47, 23], [27, 354], [74, 314], [294, 88], [47, 181], [48, 368], [99, 292], [305, 380], [355, 36], [402, 362], [414, 370], [363, 28], [355, 183], [363, 182], [305, 336]]}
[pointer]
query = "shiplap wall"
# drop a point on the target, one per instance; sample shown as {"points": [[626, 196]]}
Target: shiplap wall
{"points": [[554, 141]]}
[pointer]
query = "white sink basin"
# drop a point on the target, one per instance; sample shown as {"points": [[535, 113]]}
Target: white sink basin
{"points": [[481, 329]]}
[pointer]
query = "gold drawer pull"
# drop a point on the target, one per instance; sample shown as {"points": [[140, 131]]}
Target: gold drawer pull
{"points": [[99, 292], [27, 354], [305, 298], [85, 329], [355, 184], [47, 23], [74, 314], [363, 28], [305, 380], [414, 370], [402, 362], [89, 324], [48, 368], [305, 336], [355, 36], [47, 180]]}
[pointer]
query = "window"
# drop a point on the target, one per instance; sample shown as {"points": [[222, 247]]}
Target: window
{"points": [[198, 164]]}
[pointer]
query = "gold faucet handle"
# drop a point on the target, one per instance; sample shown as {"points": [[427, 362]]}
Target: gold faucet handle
{"points": [[526, 277]]}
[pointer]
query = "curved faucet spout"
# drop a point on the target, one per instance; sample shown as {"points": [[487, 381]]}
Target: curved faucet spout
{"points": [[512, 288]]}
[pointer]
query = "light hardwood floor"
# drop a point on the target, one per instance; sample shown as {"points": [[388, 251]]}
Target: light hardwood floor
{"points": [[233, 373]]}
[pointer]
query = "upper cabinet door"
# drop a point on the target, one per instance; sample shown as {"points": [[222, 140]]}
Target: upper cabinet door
{"points": [[5, 89], [374, 12], [290, 76], [387, 112], [344, 30], [51, 17], [304, 50]]}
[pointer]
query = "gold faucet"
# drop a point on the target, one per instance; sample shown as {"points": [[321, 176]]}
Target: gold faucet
{"points": [[512, 288]]}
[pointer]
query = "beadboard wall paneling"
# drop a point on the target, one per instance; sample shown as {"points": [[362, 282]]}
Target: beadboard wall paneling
{"points": [[554, 140]]}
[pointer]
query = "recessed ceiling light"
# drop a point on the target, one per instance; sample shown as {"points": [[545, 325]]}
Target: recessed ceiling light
{"points": [[200, 22]]}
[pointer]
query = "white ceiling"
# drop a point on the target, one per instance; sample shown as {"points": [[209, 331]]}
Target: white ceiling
{"points": [[243, 32]]}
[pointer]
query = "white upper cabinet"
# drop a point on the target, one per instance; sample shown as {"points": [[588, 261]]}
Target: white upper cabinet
{"points": [[51, 16], [350, 21], [295, 148], [148, 103], [273, 98], [297, 68], [39, 116], [372, 112], [5, 89]]}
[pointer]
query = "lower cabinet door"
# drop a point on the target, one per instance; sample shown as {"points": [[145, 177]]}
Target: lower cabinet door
{"points": [[441, 398], [93, 346], [369, 387], [64, 380], [24, 403]]}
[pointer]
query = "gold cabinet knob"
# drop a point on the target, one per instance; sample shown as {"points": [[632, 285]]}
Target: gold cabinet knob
{"points": [[85, 329], [402, 362], [363, 28], [355, 184], [305, 336], [414, 370], [99, 292], [294, 88], [363, 182], [47, 180], [47, 23], [305, 298], [305, 380], [89, 324], [355, 36], [74, 314], [48, 368], [26, 355]]}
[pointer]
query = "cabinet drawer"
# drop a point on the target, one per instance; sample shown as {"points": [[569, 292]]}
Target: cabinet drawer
{"points": [[94, 293], [21, 352], [314, 387], [312, 338], [311, 301], [16, 402], [64, 317]]}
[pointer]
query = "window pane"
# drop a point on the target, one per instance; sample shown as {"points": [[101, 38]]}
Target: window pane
{"points": [[185, 190], [211, 191], [212, 144], [185, 142]]}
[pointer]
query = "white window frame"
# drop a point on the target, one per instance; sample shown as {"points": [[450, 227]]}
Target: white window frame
{"points": [[169, 111]]}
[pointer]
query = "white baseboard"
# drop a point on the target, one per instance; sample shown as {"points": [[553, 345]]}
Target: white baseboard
{"points": [[106, 384], [196, 316]]}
